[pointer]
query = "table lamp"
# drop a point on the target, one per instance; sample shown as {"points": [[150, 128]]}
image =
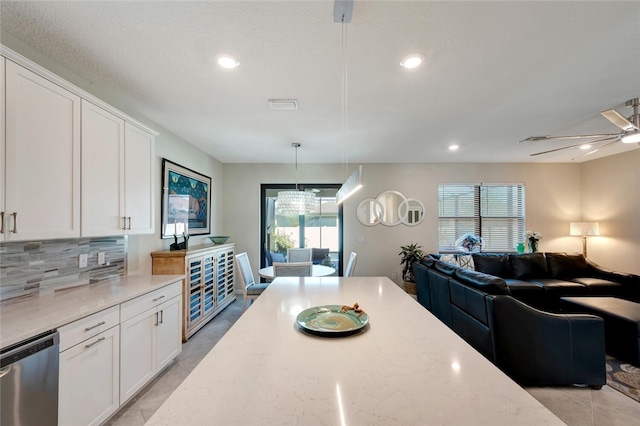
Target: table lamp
{"points": [[584, 230]]}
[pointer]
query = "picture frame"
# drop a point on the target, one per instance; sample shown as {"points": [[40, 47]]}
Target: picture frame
{"points": [[186, 201]]}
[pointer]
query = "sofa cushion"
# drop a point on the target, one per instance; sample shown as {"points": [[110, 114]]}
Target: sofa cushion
{"points": [[446, 268], [493, 264], [483, 282], [566, 265], [529, 265], [599, 286], [558, 288], [523, 289], [428, 261]]}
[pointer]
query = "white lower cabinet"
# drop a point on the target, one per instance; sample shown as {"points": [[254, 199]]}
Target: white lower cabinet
{"points": [[107, 357], [89, 385], [150, 337]]}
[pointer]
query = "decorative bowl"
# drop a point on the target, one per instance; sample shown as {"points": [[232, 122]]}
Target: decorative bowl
{"points": [[220, 239]]}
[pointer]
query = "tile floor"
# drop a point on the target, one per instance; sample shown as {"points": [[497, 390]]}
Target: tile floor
{"points": [[575, 406]]}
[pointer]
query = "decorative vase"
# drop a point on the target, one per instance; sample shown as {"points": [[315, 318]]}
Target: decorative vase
{"points": [[533, 245], [520, 248]]}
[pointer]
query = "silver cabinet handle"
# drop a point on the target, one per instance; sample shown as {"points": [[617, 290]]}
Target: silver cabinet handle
{"points": [[2, 224], [158, 298], [124, 223], [162, 316], [94, 326], [94, 343], [129, 219], [156, 319], [15, 222]]}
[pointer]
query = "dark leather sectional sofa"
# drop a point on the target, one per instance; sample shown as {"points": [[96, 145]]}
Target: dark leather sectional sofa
{"points": [[511, 312]]}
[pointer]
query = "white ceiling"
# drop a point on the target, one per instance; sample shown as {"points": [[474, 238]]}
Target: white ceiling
{"points": [[496, 73]]}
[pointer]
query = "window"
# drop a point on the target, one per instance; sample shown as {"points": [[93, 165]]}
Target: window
{"points": [[494, 212]]}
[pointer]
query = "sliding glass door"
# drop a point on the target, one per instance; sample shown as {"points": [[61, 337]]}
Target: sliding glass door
{"points": [[320, 229]]}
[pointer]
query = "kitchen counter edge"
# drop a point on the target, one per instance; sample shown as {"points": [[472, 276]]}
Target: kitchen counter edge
{"points": [[24, 318]]}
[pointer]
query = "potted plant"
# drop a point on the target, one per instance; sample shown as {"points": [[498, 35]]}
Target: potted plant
{"points": [[409, 254]]}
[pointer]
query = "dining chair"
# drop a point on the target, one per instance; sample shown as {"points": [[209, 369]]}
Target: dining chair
{"points": [[351, 265], [292, 269], [250, 289], [299, 255]]}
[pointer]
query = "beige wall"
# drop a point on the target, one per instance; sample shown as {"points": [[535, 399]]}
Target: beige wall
{"points": [[611, 196], [553, 199]]}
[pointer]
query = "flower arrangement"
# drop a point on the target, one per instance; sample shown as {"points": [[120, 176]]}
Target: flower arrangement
{"points": [[470, 242], [532, 238]]}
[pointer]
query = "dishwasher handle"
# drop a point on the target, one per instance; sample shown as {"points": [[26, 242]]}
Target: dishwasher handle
{"points": [[15, 353]]}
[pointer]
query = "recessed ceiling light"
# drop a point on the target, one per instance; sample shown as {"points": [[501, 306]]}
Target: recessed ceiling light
{"points": [[412, 61], [453, 147], [227, 61], [585, 146]]}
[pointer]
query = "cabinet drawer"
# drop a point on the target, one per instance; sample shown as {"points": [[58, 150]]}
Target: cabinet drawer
{"points": [[88, 327], [140, 304]]}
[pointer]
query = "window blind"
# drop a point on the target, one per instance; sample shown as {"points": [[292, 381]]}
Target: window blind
{"points": [[495, 212]]}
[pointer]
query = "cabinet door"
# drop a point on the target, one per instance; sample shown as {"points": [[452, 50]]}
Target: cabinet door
{"points": [[169, 332], [195, 274], [42, 181], [137, 353], [89, 380], [139, 188], [102, 172]]}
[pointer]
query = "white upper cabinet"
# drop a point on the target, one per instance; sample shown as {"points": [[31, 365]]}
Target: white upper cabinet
{"points": [[139, 178], [103, 210], [42, 158], [117, 175]]}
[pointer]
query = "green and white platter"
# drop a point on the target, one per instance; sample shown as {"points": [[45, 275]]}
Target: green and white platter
{"points": [[331, 321]]}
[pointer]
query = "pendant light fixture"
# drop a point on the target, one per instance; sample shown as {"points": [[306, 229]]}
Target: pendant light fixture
{"points": [[342, 11], [295, 203]]}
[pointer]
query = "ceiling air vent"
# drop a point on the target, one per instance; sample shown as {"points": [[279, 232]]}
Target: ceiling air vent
{"points": [[283, 103]]}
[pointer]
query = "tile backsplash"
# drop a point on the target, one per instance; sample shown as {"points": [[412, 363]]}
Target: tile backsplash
{"points": [[32, 267]]}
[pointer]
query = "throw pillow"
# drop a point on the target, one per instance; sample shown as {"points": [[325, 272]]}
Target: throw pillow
{"points": [[529, 265], [493, 264]]}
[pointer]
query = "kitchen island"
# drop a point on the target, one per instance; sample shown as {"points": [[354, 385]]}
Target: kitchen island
{"points": [[404, 367]]}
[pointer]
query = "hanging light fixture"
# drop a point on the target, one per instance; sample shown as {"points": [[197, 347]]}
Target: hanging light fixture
{"points": [[342, 11], [295, 203]]}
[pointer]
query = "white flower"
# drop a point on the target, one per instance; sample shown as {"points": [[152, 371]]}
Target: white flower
{"points": [[532, 234]]}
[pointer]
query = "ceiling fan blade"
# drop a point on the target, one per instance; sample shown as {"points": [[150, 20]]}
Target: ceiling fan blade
{"points": [[593, 151], [572, 146], [548, 138], [619, 120]]}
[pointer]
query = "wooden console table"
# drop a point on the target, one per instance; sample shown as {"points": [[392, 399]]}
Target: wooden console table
{"points": [[208, 286]]}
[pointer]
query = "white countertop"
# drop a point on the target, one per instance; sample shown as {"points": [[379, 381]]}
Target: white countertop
{"points": [[405, 368], [23, 318]]}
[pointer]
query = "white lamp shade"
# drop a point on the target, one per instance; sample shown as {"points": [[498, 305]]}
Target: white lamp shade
{"points": [[295, 203], [582, 229]]}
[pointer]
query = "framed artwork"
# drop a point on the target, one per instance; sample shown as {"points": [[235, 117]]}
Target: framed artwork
{"points": [[186, 201]]}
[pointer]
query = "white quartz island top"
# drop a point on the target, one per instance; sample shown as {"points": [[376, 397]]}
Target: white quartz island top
{"points": [[23, 318], [404, 368]]}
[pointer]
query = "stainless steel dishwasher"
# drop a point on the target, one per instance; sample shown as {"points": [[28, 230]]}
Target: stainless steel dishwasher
{"points": [[29, 381]]}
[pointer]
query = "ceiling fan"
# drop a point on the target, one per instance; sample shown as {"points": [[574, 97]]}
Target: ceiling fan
{"points": [[630, 132]]}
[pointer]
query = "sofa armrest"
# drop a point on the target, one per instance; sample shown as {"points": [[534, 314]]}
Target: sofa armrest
{"points": [[541, 348], [630, 282]]}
